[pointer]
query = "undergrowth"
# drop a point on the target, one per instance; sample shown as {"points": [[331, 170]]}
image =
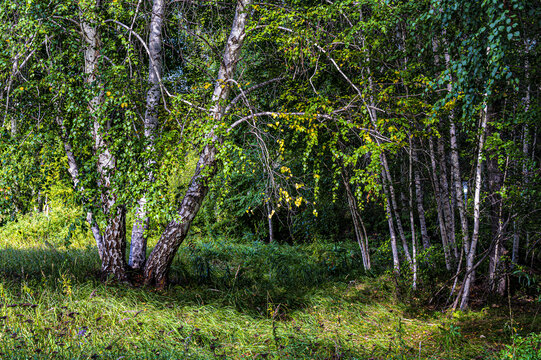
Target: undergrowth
{"points": [[229, 301]]}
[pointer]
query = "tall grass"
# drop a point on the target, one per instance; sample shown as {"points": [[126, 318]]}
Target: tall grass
{"points": [[226, 301]]}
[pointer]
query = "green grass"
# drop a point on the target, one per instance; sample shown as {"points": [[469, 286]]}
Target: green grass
{"points": [[227, 301]]}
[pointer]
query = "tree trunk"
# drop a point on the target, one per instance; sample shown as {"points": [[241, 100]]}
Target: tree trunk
{"points": [[269, 221], [419, 200], [494, 185], [392, 233], [412, 219], [516, 246], [357, 222], [73, 169], [159, 261], [439, 207], [394, 207], [13, 124], [113, 259], [138, 245], [471, 250], [455, 169], [114, 236], [447, 200], [447, 209]]}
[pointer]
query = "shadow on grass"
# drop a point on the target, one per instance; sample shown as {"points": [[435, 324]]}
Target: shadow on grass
{"points": [[246, 276]]}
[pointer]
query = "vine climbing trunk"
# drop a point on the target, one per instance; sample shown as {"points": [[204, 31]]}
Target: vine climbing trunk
{"points": [[73, 169], [138, 246], [114, 235], [159, 261]]}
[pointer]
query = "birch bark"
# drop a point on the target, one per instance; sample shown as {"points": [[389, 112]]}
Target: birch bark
{"points": [[138, 244], [439, 206], [159, 261], [471, 249], [114, 235], [419, 200], [357, 222], [412, 219], [394, 208]]}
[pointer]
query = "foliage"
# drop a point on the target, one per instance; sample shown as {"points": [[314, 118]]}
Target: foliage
{"points": [[523, 348], [352, 91]]}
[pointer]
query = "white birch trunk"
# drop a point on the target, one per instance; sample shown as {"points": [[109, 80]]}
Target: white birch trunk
{"points": [[114, 235], [412, 219], [394, 208], [471, 250], [138, 239], [388, 211], [159, 261], [439, 207], [419, 201]]}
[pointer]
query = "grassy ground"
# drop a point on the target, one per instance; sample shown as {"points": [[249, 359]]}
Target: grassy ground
{"points": [[230, 301]]}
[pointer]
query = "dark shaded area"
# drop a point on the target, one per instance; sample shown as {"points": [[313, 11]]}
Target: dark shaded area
{"points": [[245, 276]]}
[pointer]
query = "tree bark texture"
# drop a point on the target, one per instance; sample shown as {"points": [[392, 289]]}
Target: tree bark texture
{"points": [[419, 200], [159, 261], [394, 207], [439, 207], [471, 249], [138, 244], [114, 236], [357, 223]]}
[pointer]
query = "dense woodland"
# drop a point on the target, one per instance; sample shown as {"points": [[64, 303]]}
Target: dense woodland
{"points": [[410, 128]]}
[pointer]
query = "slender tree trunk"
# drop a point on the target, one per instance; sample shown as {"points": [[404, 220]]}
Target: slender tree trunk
{"points": [[394, 246], [394, 208], [138, 246], [269, 220], [357, 222], [159, 261], [114, 236], [439, 207], [471, 250], [446, 198], [526, 130], [13, 124], [419, 200], [73, 170], [516, 246], [447, 203], [455, 169], [412, 219], [525, 152], [495, 199]]}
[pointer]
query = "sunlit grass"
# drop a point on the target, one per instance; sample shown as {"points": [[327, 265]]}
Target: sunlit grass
{"points": [[228, 301]]}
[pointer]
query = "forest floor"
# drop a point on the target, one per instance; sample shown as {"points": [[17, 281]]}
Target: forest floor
{"points": [[237, 301]]}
